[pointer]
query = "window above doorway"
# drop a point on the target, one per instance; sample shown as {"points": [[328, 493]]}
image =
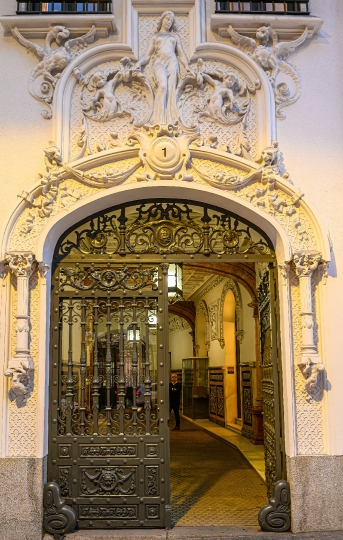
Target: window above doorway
{"points": [[57, 6], [277, 7]]}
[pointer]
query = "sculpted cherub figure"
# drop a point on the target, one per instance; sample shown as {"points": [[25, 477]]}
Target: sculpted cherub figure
{"points": [[222, 98], [104, 98]]}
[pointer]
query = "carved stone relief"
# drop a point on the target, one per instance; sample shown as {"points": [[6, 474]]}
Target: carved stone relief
{"points": [[272, 55], [52, 60], [213, 309], [177, 324]]}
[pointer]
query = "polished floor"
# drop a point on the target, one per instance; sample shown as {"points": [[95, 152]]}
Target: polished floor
{"points": [[211, 483]]}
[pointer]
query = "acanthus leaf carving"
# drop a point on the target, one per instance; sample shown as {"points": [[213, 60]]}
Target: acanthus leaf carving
{"points": [[272, 55], [52, 61]]}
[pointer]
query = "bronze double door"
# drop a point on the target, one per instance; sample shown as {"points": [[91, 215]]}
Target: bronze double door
{"points": [[109, 355], [109, 444]]}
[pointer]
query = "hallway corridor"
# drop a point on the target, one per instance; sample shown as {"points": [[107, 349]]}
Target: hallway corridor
{"points": [[211, 483]]}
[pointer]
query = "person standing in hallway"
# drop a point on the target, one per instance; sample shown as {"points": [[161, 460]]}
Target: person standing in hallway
{"points": [[174, 399]]}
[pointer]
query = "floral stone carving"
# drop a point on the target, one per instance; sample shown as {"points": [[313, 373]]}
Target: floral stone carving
{"points": [[272, 55], [52, 61]]}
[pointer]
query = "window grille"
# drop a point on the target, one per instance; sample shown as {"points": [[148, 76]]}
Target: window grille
{"points": [[33, 7], [277, 7]]}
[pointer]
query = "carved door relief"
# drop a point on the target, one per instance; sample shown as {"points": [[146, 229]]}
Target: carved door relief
{"points": [[271, 379], [108, 434]]}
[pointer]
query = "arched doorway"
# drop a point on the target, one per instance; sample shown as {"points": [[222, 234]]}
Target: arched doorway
{"points": [[109, 369]]}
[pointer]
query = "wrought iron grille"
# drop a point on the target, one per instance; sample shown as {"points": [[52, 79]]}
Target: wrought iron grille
{"points": [[279, 7], [180, 231], [33, 7]]}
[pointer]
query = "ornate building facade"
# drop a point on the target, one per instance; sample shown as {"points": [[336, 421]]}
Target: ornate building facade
{"points": [[173, 101]]}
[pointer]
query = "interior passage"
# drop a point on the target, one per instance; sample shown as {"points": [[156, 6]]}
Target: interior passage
{"points": [[211, 483]]}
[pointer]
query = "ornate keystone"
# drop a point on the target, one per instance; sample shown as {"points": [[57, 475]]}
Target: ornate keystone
{"points": [[306, 262], [20, 367]]}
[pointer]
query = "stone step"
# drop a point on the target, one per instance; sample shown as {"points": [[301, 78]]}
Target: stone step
{"points": [[177, 533]]}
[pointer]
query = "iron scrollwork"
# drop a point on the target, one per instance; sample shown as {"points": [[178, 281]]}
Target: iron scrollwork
{"points": [[164, 228], [107, 279], [58, 518], [276, 516]]}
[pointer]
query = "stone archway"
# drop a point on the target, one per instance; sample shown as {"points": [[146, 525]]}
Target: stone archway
{"points": [[73, 187]]}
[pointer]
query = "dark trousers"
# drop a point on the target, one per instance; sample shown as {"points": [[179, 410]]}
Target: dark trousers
{"points": [[175, 408]]}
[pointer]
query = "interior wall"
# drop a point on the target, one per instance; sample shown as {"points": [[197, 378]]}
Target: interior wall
{"points": [[230, 375], [180, 346]]}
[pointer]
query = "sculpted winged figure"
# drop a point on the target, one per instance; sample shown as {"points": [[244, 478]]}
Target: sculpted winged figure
{"points": [[266, 54], [52, 60], [272, 55]]}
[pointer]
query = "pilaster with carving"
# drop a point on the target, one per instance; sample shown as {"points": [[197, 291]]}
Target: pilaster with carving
{"points": [[21, 366], [310, 363]]}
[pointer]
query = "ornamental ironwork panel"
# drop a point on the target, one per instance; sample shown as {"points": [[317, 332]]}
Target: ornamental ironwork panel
{"points": [[108, 443], [271, 379], [164, 229]]}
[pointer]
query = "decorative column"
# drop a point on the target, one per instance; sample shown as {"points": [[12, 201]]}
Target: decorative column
{"points": [[310, 363], [257, 410], [20, 367]]}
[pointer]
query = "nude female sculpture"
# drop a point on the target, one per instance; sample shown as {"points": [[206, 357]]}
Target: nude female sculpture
{"points": [[166, 50]]}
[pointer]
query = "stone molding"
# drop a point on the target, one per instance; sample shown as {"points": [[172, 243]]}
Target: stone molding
{"points": [[287, 27], [36, 26]]}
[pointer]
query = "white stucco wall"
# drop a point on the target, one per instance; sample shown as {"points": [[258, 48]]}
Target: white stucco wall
{"points": [[180, 346], [310, 139]]}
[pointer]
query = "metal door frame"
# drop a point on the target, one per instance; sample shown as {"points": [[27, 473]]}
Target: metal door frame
{"points": [[230, 230]]}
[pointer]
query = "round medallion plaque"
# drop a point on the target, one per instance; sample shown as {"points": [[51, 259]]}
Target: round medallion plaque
{"points": [[165, 152]]}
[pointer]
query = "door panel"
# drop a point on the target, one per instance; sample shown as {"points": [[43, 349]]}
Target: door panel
{"points": [[109, 447], [271, 379]]}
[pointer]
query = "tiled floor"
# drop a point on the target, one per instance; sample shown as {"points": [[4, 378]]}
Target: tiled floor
{"points": [[211, 483], [253, 453]]}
